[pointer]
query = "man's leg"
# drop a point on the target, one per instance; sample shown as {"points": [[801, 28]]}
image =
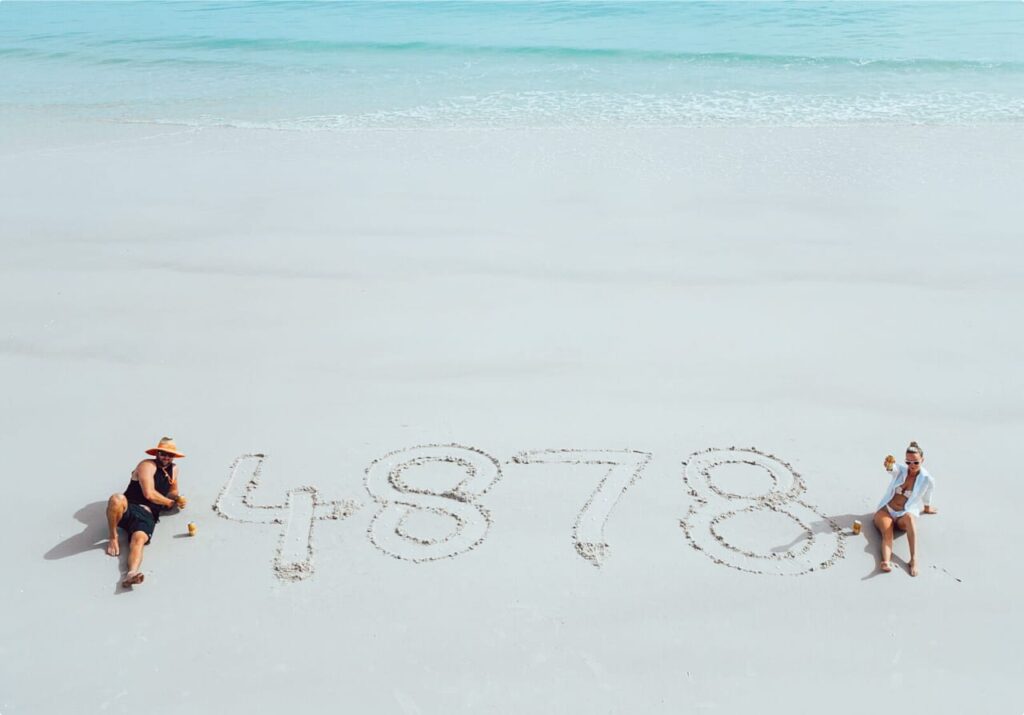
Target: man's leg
{"points": [[116, 507], [137, 543], [883, 521], [907, 523]]}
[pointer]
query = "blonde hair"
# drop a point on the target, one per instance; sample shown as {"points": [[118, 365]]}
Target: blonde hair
{"points": [[915, 448]]}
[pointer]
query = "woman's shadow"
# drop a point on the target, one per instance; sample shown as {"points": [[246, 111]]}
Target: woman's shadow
{"points": [[869, 536], [93, 536]]}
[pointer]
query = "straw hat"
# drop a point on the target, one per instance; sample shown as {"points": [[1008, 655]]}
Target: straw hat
{"points": [[166, 445]]}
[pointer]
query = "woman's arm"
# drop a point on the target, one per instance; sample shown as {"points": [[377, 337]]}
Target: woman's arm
{"points": [[929, 492]]}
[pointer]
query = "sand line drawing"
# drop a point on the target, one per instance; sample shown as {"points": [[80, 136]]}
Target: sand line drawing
{"points": [[293, 558], [945, 571], [714, 506], [459, 524], [622, 469]]}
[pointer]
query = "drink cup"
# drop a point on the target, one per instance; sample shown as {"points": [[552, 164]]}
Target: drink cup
{"points": [[856, 527], [191, 529]]}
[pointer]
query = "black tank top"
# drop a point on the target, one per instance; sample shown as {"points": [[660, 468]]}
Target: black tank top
{"points": [[163, 485]]}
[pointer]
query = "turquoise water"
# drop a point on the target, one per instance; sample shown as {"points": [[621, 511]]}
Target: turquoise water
{"points": [[342, 65]]}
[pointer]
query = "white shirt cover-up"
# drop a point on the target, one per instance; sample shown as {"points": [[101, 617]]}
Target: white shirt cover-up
{"points": [[920, 495]]}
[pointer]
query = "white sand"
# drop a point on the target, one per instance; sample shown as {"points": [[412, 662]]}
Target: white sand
{"points": [[823, 295]]}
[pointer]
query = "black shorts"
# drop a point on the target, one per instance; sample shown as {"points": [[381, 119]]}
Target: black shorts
{"points": [[138, 518]]}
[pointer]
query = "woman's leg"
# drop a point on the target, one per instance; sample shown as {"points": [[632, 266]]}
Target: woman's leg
{"points": [[907, 523], [883, 522]]}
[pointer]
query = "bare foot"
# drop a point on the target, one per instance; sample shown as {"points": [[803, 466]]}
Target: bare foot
{"points": [[132, 578], [913, 567], [886, 566], [113, 548]]}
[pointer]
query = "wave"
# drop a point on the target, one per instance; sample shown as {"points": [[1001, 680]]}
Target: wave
{"points": [[564, 109], [251, 47], [576, 53], [92, 58]]}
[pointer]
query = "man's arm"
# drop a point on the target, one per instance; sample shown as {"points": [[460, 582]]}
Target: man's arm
{"points": [[146, 472], [173, 491], [179, 500]]}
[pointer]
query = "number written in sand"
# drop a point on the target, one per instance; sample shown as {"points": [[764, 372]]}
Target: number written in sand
{"points": [[713, 518], [427, 497], [293, 560], [621, 468], [428, 509]]}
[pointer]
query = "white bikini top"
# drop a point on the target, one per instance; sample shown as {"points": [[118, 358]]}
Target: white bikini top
{"points": [[903, 492]]}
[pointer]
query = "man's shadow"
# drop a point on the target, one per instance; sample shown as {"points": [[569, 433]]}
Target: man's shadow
{"points": [[92, 537], [868, 536]]}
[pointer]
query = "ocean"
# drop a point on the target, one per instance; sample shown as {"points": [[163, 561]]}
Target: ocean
{"points": [[440, 64]]}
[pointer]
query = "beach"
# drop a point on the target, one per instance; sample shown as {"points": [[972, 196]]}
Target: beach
{"points": [[326, 299], [526, 357]]}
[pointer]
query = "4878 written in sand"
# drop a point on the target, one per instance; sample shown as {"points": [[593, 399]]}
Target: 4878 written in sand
{"points": [[420, 524]]}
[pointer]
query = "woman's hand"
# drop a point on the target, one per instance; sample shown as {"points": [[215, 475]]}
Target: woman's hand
{"points": [[890, 462]]}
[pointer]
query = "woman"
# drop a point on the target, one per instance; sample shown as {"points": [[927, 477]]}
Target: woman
{"points": [[911, 489]]}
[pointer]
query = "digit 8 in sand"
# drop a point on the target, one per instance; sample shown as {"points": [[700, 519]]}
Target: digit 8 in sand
{"points": [[823, 541], [464, 522]]}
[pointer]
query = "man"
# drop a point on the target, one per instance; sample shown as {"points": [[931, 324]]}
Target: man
{"points": [[153, 488]]}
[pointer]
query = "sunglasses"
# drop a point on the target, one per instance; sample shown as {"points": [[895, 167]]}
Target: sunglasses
{"points": [[909, 462], [168, 454]]}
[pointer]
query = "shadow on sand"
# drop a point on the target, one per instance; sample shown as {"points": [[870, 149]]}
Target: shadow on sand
{"points": [[92, 537], [868, 537]]}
